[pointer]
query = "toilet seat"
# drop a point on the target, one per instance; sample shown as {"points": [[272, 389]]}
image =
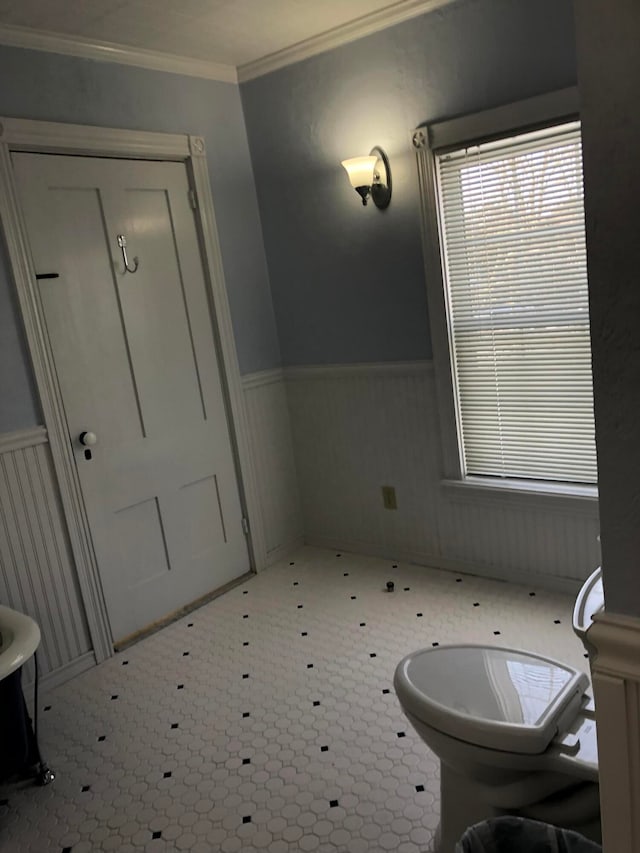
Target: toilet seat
{"points": [[491, 697]]}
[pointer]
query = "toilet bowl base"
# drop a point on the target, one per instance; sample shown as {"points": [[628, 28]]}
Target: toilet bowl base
{"points": [[464, 802]]}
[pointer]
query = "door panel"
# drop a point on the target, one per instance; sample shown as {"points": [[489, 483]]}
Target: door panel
{"points": [[136, 360]]}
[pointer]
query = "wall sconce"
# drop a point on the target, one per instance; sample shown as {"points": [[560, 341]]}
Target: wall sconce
{"points": [[371, 176]]}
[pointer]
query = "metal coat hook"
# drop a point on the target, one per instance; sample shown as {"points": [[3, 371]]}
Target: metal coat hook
{"points": [[122, 242]]}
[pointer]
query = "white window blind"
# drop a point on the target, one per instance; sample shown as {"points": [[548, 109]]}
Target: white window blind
{"points": [[512, 231]]}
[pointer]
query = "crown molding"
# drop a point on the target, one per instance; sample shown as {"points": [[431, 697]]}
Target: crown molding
{"points": [[103, 51], [153, 60], [364, 26]]}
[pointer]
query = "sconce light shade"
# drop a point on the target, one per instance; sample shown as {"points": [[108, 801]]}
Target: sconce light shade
{"points": [[360, 170], [370, 176]]}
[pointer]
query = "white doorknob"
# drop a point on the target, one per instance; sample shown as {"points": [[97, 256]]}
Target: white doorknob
{"points": [[88, 439]]}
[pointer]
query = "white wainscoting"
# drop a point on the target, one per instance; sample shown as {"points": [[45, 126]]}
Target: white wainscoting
{"points": [[273, 459], [359, 427], [37, 573], [616, 683]]}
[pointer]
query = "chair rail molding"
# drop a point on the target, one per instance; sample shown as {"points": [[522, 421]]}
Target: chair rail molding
{"points": [[21, 438], [49, 137]]}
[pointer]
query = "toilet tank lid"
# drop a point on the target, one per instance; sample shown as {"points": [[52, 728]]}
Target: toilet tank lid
{"points": [[590, 601], [499, 698]]}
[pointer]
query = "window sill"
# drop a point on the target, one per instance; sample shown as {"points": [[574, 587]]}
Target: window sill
{"points": [[524, 494]]}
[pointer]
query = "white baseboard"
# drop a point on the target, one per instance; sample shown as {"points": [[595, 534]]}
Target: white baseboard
{"points": [[58, 676], [433, 561], [284, 550]]}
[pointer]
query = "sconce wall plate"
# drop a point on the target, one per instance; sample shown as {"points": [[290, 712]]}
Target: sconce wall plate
{"points": [[381, 186]]}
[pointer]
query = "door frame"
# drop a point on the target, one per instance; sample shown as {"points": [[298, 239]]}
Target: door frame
{"points": [[56, 138]]}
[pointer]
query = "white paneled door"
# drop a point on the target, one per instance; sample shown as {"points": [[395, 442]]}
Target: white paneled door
{"points": [[136, 361]]}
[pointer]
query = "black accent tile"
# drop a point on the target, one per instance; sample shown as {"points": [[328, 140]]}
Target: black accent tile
{"points": [[372, 655], [157, 834], [362, 624], [47, 707], [245, 675], [246, 761], [295, 583], [67, 849], [386, 690], [190, 625], [435, 644], [394, 566], [174, 725], [101, 738], [556, 621], [304, 633], [401, 734], [300, 606], [458, 580], [180, 687], [185, 654], [245, 714], [125, 663], [246, 643], [338, 555], [167, 774], [345, 575], [246, 818], [407, 588], [419, 615], [324, 749], [245, 615], [496, 633], [85, 788], [115, 696], [476, 604], [309, 666], [316, 703], [245, 591], [292, 563], [333, 804], [419, 788], [532, 594], [353, 598]]}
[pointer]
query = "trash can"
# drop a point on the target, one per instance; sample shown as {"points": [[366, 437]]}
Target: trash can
{"points": [[521, 835]]}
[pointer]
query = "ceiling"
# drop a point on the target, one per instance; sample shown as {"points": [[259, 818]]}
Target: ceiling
{"points": [[231, 32]]}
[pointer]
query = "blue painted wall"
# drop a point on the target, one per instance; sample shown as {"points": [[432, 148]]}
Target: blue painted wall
{"points": [[57, 88], [348, 282]]}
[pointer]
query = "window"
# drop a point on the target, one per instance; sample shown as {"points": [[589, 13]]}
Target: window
{"points": [[512, 241]]}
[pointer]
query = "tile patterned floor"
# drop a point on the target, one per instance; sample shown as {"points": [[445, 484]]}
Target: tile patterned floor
{"points": [[266, 720]]}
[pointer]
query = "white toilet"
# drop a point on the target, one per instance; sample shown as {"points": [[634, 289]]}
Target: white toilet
{"points": [[515, 732]]}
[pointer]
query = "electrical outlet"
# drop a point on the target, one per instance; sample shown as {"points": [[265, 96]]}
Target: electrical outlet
{"points": [[389, 497]]}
